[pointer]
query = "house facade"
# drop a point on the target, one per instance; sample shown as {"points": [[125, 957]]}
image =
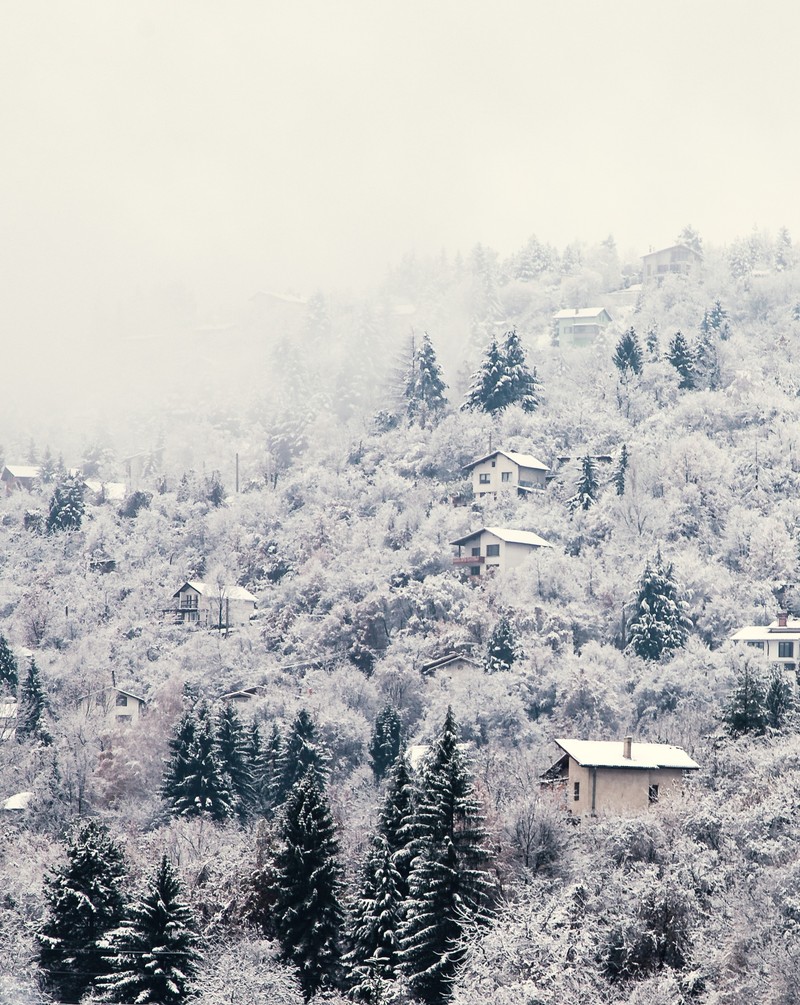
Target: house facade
{"points": [[617, 776], [678, 259], [580, 326], [114, 705], [212, 606], [16, 477], [8, 720], [493, 549], [778, 642], [507, 471]]}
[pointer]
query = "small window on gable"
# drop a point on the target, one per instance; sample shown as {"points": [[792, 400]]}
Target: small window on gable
{"points": [[494, 464], [122, 700], [576, 791]]}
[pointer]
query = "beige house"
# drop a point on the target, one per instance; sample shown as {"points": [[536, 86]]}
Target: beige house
{"points": [[507, 471], [495, 548], [211, 605], [580, 326], [617, 776], [678, 259], [779, 641], [114, 705], [19, 476]]}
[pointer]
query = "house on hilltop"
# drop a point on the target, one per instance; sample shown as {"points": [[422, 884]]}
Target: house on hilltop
{"points": [[609, 776], [507, 471], [115, 705], [779, 641], [449, 663], [211, 605], [580, 326], [678, 259], [16, 477], [495, 548]]}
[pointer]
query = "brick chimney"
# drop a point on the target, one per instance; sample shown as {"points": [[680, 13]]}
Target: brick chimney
{"points": [[627, 743], [782, 617]]}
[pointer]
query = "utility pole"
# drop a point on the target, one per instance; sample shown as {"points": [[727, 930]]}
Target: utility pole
{"points": [[237, 472]]}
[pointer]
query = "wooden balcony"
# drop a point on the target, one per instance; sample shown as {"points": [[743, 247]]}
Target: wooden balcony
{"points": [[469, 560]]}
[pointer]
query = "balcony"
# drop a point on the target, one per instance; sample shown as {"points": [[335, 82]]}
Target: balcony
{"points": [[469, 560]]}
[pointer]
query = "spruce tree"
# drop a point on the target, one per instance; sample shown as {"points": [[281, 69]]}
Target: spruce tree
{"points": [[176, 765], [448, 884], [153, 956], [628, 356], [396, 822], [745, 710], [659, 624], [66, 505], [32, 708], [706, 362], [9, 678], [234, 756], [681, 356], [618, 477], [779, 701], [200, 783], [386, 741], [84, 902], [308, 913], [587, 488], [521, 386], [300, 753], [267, 772], [501, 649], [425, 397], [487, 392]]}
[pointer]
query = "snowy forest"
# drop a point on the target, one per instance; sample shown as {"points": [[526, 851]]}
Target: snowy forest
{"points": [[301, 812]]}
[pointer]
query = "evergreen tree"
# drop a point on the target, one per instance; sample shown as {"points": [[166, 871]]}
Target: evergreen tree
{"points": [[659, 624], [267, 772], [32, 708], [153, 956], [706, 361], [501, 649], [234, 757], [503, 379], [681, 356], [9, 678], [197, 783], [652, 342], [386, 741], [691, 238], [448, 884], [66, 505], [84, 902], [628, 356], [745, 710], [396, 822], [301, 753], [522, 385], [587, 487], [308, 914], [784, 253], [486, 391], [779, 701], [47, 470], [176, 765], [618, 477], [425, 397], [374, 925]]}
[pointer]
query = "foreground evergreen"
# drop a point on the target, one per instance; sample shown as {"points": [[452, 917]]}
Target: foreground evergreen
{"points": [[659, 624]]}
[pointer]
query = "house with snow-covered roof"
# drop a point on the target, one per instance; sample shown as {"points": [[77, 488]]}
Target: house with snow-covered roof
{"points": [[495, 549], [678, 259], [212, 605], [506, 471], [778, 642], [580, 326], [617, 776], [112, 705], [16, 477]]}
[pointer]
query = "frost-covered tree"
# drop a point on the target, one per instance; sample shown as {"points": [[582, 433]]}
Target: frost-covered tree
{"points": [[681, 355], [504, 379], [424, 393], [386, 741], [153, 955], [502, 649], [32, 707], [523, 385], [395, 823], [84, 902], [308, 911], [486, 392], [618, 478], [587, 488], [628, 357], [659, 624], [784, 252], [300, 754], [66, 505], [779, 700], [745, 710], [196, 781], [234, 757], [9, 677], [267, 771], [691, 238]]}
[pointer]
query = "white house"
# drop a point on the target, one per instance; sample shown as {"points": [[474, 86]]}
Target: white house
{"points": [[677, 259], [19, 476], [495, 548], [212, 605], [507, 470], [449, 663], [597, 776], [779, 641], [115, 705], [580, 326]]}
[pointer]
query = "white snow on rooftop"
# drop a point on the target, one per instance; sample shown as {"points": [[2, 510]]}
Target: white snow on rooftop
{"points": [[609, 754], [228, 592], [523, 460], [508, 536], [19, 801], [579, 312]]}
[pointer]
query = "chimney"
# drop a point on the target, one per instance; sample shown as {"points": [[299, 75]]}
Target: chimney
{"points": [[782, 617], [627, 743]]}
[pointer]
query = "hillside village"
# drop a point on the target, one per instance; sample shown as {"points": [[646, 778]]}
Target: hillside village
{"points": [[535, 518]]}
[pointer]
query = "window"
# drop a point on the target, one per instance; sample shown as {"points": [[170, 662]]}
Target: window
{"points": [[756, 645], [494, 463], [123, 720], [122, 700], [505, 476], [652, 793], [475, 552], [474, 570], [485, 478], [189, 600], [785, 650], [492, 550], [576, 791], [192, 616]]}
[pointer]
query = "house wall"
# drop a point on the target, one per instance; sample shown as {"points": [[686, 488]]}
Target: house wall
{"points": [[493, 469], [670, 260], [104, 704], [509, 555], [580, 331], [619, 790]]}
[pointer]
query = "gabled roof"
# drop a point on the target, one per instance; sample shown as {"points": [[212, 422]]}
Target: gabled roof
{"points": [[113, 491], [673, 247], [116, 690], [580, 312], [20, 801], [764, 633], [442, 661], [508, 536], [22, 470], [609, 754], [209, 590], [523, 460]]}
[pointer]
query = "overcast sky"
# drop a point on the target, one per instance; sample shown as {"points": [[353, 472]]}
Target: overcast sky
{"points": [[237, 146]]}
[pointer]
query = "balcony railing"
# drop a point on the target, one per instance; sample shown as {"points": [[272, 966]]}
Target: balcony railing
{"points": [[469, 560]]}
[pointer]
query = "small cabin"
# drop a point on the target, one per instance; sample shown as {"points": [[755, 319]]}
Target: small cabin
{"points": [[212, 606]]}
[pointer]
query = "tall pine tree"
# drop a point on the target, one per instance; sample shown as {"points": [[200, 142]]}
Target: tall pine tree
{"points": [[267, 772], [234, 757], [84, 902], [66, 505], [486, 392], [198, 782], [620, 471], [396, 822], [502, 650], [386, 741], [628, 357], [659, 624], [9, 678], [32, 708], [682, 357], [153, 955], [308, 912], [522, 385], [587, 488], [300, 753], [425, 387]]}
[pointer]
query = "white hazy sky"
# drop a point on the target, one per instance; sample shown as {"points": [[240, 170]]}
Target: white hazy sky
{"points": [[236, 146]]}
